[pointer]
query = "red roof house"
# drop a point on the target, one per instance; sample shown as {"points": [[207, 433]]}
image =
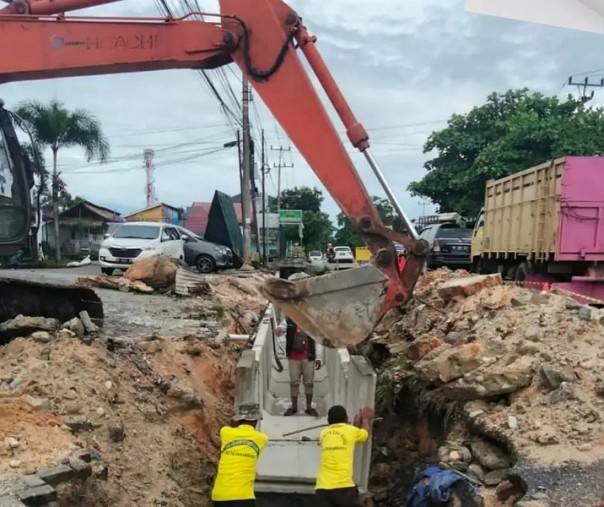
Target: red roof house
{"points": [[197, 216]]}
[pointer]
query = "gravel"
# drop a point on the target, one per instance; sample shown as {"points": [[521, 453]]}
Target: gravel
{"points": [[579, 485]]}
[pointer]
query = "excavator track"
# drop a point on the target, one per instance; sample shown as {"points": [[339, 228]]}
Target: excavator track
{"points": [[47, 299]]}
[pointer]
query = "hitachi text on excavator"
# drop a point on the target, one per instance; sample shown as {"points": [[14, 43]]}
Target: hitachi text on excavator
{"points": [[264, 38]]}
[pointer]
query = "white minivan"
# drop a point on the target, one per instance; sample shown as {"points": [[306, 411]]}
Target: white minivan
{"points": [[133, 241]]}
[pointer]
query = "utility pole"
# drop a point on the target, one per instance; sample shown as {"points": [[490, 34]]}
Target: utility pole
{"points": [[584, 98], [423, 204], [149, 168], [280, 166], [246, 174], [254, 190], [264, 169]]}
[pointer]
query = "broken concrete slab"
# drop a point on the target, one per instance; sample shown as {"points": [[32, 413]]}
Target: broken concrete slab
{"points": [[40, 495], [23, 326], [451, 364], [11, 501], [56, 475], [467, 286], [494, 381]]}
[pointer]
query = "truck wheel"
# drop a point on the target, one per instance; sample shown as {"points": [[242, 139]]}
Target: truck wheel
{"points": [[205, 264], [521, 272], [479, 266], [107, 271]]}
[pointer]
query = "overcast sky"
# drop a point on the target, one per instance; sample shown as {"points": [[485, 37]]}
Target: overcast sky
{"points": [[404, 66]]}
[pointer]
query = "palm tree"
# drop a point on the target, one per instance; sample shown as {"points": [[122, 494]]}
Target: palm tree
{"points": [[54, 126], [36, 154]]}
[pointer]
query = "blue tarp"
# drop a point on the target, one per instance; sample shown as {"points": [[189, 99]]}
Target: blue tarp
{"points": [[433, 485]]}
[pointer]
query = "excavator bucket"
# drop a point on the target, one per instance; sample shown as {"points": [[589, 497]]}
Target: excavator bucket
{"points": [[42, 299], [339, 309]]}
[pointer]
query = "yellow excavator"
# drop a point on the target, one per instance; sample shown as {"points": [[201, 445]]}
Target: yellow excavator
{"points": [[265, 38]]}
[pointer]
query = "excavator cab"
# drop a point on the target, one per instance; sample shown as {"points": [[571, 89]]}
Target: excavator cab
{"points": [[16, 181], [24, 297]]}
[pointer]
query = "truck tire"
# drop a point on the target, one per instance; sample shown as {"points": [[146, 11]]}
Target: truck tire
{"points": [[521, 272], [478, 266], [107, 271]]}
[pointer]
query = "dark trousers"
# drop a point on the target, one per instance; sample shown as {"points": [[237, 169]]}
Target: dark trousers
{"points": [[343, 497], [235, 503]]}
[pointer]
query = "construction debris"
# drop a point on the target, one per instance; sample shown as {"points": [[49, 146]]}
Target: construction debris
{"points": [[151, 405], [522, 371]]}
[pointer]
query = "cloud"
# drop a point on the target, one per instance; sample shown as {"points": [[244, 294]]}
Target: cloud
{"points": [[404, 67]]}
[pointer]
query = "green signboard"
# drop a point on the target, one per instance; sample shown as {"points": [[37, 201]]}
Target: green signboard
{"points": [[290, 216]]}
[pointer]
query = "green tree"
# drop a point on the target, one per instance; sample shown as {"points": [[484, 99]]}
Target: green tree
{"points": [[304, 198], [347, 233], [65, 200], [510, 132], [317, 225], [53, 126]]}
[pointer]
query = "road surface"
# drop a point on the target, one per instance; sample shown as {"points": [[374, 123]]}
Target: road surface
{"points": [[127, 315]]}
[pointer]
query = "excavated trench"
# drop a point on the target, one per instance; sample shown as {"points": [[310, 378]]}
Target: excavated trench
{"points": [[420, 429]]}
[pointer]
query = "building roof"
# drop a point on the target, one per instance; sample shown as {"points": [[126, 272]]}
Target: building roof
{"points": [[156, 205], [197, 216], [86, 209]]}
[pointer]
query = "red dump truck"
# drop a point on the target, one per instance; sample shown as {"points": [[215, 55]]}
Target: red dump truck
{"points": [[545, 224]]}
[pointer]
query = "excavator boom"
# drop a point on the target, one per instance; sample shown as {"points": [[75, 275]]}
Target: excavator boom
{"points": [[262, 38]]}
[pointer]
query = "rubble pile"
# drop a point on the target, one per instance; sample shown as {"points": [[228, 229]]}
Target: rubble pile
{"points": [[522, 370], [151, 412], [148, 409]]}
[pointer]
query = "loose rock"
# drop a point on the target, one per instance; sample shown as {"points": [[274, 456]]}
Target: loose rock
{"points": [[116, 432], [490, 456], [451, 364], [22, 325], [585, 313], [495, 477], [41, 337]]}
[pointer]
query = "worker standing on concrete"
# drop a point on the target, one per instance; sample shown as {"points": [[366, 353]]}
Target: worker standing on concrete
{"points": [[303, 358], [335, 486], [240, 447]]}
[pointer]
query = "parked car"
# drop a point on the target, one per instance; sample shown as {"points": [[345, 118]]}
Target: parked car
{"points": [[344, 255], [449, 245], [206, 256], [133, 241], [316, 256]]}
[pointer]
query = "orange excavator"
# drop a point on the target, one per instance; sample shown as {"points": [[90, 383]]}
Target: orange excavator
{"points": [[264, 38]]}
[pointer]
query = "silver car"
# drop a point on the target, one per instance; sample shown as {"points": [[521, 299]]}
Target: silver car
{"points": [[206, 256]]}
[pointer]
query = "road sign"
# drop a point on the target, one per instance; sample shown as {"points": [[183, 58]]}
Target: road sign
{"points": [[290, 216]]}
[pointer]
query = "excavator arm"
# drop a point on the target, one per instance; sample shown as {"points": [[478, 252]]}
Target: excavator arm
{"points": [[263, 38]]}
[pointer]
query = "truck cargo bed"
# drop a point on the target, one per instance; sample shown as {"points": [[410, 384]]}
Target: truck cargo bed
{"points": [[553, 211]]}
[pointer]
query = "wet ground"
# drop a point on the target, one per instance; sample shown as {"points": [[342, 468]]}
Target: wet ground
{"points": [[127, 315], [567, 485]]}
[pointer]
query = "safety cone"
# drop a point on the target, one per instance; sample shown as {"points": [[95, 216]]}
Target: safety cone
{"points": [[545, 288]]}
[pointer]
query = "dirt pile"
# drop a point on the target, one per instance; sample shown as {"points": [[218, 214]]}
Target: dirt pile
{"points": [[151, 412], [521, 372], [148, 408]]}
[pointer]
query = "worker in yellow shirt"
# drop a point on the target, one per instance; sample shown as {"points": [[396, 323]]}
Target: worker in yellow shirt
{"points": [[335, 485], [240, 447]]}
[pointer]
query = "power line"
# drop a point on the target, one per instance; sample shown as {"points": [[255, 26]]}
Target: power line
{"points": [[584, 98], [138, 168], [133, 156]]}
